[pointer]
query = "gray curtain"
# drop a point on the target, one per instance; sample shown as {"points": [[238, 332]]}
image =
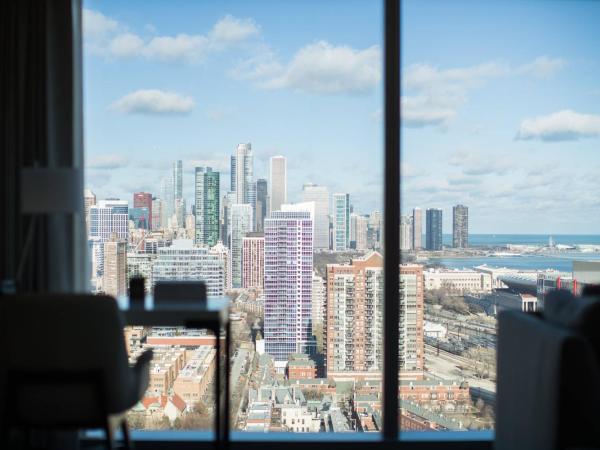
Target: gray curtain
{"points": [[40, 125]]}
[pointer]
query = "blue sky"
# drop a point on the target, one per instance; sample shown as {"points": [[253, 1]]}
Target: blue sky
{"points": [[501, 101]]}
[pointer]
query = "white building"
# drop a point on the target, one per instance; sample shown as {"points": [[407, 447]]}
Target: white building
{"points": [[358, 231], [417, 229], [459, 280], [241, 225], [288, 283], [183, 261], [406, 239], [242, 176], [223, 254], [277, 182], [320, 196]]}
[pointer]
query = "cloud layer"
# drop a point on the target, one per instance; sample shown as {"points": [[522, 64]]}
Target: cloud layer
{"points": [[317, 68], [435, 95], [107, 37], [153, 102], [563, 125], [107, 162]]}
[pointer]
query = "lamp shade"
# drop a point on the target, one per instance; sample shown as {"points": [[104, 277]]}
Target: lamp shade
{"points": [[51, 190]]}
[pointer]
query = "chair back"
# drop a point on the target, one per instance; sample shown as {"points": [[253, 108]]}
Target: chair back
{"points": [[63, 359]]}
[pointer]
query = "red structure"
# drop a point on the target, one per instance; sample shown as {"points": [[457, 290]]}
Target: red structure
{"points": [[144, 200]]}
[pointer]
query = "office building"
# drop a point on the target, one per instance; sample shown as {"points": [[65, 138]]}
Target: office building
{"points": [[460, 226], [354, 316], [374, 230], [262, 204], [277, 182], [140, 265], [114, 279], [178, 179], [157, 212], [183, 261], [207, 206], [108, 219], [89, 200], [406, 239], [144, 200], [241, 225], [320, 196], [253, 260], [288, 284], [341, 222], [168, 201], [358, 231], [140, 217], [458, 280], [433, 232], [417, 229], [242, 176]]}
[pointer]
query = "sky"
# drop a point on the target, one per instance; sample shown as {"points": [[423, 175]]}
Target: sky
{"points": [[500, 102]]}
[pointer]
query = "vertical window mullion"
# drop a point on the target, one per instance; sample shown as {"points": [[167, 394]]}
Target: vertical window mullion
{"points": [[391, 218]]}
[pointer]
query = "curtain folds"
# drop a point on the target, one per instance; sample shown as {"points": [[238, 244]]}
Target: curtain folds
{"points": [[40, 125]]}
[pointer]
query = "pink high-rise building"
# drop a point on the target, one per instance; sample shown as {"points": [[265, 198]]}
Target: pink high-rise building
{"points": [[144, 200]]}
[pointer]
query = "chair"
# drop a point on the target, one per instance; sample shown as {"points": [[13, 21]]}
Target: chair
{"points": [[549, 376], [65, 365]]}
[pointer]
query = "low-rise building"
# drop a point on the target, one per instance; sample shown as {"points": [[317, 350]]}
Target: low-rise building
{"points": [[458, 280]]}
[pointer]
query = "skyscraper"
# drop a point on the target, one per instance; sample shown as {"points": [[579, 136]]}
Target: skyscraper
{"points": [[460, 226], [168, 199], [253, 261], [277, 182], [411, 350], [178, 179], [262, 204], [242, 175], [157, 207], [320, 196], [89, 200], [207, 205], [114, 280], [406, 233], [341, 222], [288, 284], [241, 225], [109, 219], [144, 200], [417, 228], [433, 233]]}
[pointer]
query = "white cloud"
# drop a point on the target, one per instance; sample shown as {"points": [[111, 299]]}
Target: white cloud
{"points": [[473, 163], [153, 101], [231, 30], [107, 161], [318, 68], [109, 38], [563, 125], [542, 67], [434, 95], [125, 45], [96, 24]]}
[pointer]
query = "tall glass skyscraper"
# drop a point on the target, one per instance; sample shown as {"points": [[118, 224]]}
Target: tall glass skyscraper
{"points": [[460, 226], [320, 196], [433, 234], [262, 204], [288, 284], [207, 206], [341, 222], [242, 176], [277, 182]]}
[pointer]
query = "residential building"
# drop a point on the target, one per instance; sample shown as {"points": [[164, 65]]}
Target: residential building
{"points": [[288, 284], [358, 231], [319, 299], [108, 218], [417, 228], [89, 200], [223, 253], [253, 260], [354, 321], [114, 280], [320, 196], [183, 261], [207, 206], [460, 226], [168, 197], [157, 213], [140, 265], [341, 222], [433, 233], [374, 231], [277, 182], [241, 225], [300, 366]]}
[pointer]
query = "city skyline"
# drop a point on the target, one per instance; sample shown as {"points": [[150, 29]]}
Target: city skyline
{"points": [[457, 109]]}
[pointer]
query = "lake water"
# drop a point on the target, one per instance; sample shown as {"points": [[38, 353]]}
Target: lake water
{"points": [[526, 239]]}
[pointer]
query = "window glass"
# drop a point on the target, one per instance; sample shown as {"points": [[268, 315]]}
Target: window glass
{"points": [[500, 126], [241, 144]]}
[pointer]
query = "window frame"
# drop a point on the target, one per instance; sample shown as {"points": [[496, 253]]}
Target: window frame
{"points": [[391, 436]]}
